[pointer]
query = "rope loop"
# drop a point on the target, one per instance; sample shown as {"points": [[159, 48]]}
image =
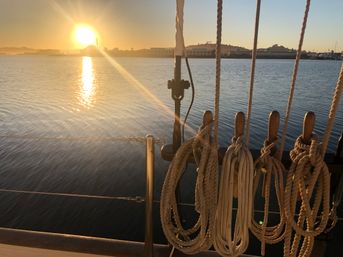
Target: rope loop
{"points": [[201, 140], [267, 148], [333, 218], [312, 149], [232, 239], [308, 181], [198, 237], [237, 144], [269, 166]]}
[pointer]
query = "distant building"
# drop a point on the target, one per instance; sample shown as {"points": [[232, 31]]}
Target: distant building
{"points": [[161, 52], [201, 50], [237, 52], [330, 56], [276, 51], [208, 50]]}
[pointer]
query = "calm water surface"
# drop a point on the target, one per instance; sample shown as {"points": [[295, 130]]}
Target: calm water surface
{"points": [[68, 124]]}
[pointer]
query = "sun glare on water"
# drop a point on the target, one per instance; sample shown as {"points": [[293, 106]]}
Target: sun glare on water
{"points": [[85, 36]]}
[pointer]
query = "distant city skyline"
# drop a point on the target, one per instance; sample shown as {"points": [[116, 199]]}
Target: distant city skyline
{"points": [[197, 45], [48, 24]]}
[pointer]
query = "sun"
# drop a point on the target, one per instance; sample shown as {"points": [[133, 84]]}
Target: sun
{"points": [[85, 35]]}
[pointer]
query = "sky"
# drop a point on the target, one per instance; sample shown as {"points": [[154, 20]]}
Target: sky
{"points": [[137, 24]]}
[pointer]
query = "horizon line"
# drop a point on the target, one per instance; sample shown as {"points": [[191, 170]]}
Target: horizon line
{"points": [[153, 47]]}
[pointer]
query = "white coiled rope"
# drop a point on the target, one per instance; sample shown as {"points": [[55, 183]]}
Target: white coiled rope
{"points": [[236, 180], [269, 166], [199, 237]]}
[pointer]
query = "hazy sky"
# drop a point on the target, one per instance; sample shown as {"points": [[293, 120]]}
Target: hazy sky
{"points": [[150, 23]]}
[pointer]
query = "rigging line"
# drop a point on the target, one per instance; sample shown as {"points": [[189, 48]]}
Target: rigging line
{"points": [[333, 111], [192, 98], [103, 197], [294, 78], [218, 69], [252, 74]]}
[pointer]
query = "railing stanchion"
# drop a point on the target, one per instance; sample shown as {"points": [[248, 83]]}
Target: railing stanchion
{"points": [[149, 197]]}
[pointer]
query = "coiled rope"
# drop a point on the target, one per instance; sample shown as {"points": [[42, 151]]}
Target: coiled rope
{"points": [[236, 181], [237, 172], [308, 173], [199, 237], [269, 166]]}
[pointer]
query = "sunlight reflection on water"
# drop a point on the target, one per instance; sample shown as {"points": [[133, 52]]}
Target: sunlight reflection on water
{"points": [[87, 94]]}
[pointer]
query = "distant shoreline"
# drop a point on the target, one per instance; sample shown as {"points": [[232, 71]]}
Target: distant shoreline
{"points": [[199, 51], [171, 57]]}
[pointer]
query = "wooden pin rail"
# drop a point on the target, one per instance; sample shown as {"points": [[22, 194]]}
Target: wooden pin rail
{"points": [[334, 161]]}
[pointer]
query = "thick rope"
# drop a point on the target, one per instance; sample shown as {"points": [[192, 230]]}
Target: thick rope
{"points": [[218, 69], [294, 78], [199, 236], [236, 180], [333, 110], [308, 173], [303, 180], [267, 166], [326, 137], [252, 73]]}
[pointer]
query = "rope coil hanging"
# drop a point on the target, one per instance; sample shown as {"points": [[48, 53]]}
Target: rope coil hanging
{"points": [[199, 236], [237, 174], [269, 166], [307, 175]]}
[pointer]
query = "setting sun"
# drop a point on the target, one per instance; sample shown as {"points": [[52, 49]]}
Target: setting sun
{"points": [[85, 35]]}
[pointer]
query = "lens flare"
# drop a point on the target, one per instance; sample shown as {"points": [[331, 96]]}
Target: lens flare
{"points": [[85, 35]]}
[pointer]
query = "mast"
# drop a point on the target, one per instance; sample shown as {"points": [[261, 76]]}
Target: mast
{"points": [[177, 85]]}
